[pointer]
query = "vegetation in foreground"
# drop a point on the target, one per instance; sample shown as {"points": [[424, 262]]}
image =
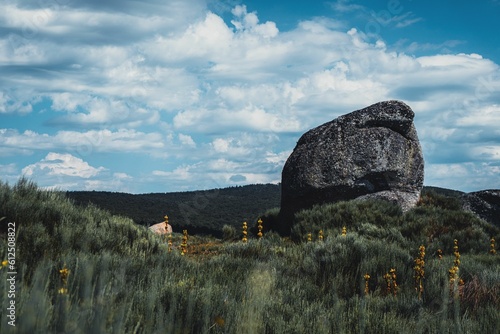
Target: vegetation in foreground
{"points": [[83, 270]]}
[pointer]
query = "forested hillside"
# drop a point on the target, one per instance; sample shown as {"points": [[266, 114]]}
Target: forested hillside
{"points": [[200, 212], [348, 267]]}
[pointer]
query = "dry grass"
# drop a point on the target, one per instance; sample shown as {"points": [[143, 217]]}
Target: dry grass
{"points": [[476, 292]]}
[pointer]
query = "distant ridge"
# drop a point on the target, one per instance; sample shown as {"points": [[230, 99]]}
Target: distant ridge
{"points": [[202, 211], [443, 191]]}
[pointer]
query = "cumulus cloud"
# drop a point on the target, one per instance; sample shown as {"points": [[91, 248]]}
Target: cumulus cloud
{"points": [[55, 164], [63, 171], [221, 99], [250, 22], [186, 140]]}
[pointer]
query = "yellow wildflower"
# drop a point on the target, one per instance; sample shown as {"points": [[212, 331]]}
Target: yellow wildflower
{"points": [[219, 321], [419, 271], [63, 274], [440, 253], [367, 288], [244, 239], [259, 226]]}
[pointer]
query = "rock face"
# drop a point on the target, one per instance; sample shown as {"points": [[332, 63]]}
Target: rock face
{"points": [[369, 153], [161, 228], [485, 204]]}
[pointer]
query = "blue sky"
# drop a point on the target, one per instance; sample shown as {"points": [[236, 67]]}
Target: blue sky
{"points": [[161, 96]]}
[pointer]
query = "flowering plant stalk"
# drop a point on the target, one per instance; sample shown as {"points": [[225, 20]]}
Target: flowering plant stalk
{"points": [[367, 281], [259, 227], [419, 271], [63, 274], [390, 279], [169, 243], [184, 242], [245, 233], [455, 279]]}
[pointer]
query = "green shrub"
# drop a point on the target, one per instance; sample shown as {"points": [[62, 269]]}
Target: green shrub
{"points": [[270, 219], [430, 198], [353, 214], [229, 233], [123, 279], [437, 228]]}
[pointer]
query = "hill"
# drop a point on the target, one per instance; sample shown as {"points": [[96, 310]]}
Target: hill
{"points": [[200, 212], [83, 270]]}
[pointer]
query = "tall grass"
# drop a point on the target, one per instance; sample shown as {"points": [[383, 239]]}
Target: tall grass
{"points": [[123, 279]]}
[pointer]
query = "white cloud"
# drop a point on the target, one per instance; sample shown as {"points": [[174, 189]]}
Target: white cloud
{"points": [[436, 132], [248, 156], [8, 169], [123, 140], [9, 104], [180, 173], [464, 176], [344, 6], [122, 176], [186, 140], [250, 22], [487, 116], [67, 101], [248, 118], [209, 39], [9, 172], [216, 173], [244, 145], [220, 145], [443, 48], [408, 22], [63, 171], [278, 159], [489, 153], [172, 79], [55, 164]]}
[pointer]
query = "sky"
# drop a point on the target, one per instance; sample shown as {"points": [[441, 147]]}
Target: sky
{"points": [[179, 95]]}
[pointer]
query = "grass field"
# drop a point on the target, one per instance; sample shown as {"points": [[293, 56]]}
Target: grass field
{"points": [[83, 270]]}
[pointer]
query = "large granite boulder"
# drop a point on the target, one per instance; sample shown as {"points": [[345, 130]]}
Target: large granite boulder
{"points": [[369, 153], [485, 204]]}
